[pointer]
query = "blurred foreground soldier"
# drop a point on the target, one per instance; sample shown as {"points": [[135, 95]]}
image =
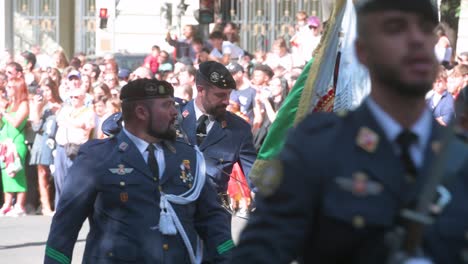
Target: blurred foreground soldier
{"points": [[145, 194], [223, 137], [351, 185]]}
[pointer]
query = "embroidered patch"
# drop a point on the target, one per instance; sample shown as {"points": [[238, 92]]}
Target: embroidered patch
{"points": [[359, 185], [367, 139], [124, 197], [121, 170], [123, 146], [214, 77], [185, 113], [267, 175]]}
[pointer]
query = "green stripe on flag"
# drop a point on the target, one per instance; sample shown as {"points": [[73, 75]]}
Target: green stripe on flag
{"points": [[225, 247], [264, 173], [58, 256]]}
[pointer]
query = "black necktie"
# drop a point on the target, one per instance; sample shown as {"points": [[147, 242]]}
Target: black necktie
{"points": [[201, 128], [405, 139], [152, 162]]}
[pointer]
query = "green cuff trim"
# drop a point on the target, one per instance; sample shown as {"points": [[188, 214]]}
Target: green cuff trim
{"points": [[225, 247], [56, 255]]}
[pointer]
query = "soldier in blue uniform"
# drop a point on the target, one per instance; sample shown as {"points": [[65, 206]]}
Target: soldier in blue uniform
{"points": [[346, 182], [223, 137], [145, 194]]}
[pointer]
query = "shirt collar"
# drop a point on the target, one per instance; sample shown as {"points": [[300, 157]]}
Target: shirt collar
{"points": [[199, 112], [392, 129], [139, 143]]}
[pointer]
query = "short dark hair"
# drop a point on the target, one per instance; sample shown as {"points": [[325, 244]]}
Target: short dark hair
{"points": [[216, 35], [30, 58], [265, 69]]}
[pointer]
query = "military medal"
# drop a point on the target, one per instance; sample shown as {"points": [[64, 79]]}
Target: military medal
{"points": [[367, 139], [121, 170], [185, 174]]}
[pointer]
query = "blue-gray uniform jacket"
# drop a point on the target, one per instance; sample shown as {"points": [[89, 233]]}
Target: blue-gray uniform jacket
{"points": [[229, 141], [341, 193], [111, 184]]}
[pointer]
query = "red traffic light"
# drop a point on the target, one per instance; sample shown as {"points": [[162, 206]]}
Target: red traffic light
{"points": [[103, 13]]}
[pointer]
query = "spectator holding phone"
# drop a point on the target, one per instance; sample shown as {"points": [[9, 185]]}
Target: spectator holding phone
{"points": [[44, 106]]}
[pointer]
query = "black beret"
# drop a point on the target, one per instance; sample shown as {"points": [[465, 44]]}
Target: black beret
{"points": [[423, 7], [216, 74], [142, 89]]}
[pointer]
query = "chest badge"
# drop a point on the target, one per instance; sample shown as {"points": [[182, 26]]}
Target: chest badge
{"points": [[185, 113], [121, 170], [359, 185], [185, 174], [367, 139]]}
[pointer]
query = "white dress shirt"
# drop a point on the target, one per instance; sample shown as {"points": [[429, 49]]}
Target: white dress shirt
{"points": [[143, 145], [391, 128]]}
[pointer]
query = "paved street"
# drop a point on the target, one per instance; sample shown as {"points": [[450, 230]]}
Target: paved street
{"points": [[22, 240]]}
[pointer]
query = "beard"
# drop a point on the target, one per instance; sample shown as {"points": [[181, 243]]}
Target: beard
{"points": [[168, 134], [216, 111], [391, 78]]}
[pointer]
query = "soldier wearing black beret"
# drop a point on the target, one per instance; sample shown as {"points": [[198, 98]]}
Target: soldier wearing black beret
{"points": [[144, 193], [223, 137], [371, 185]]}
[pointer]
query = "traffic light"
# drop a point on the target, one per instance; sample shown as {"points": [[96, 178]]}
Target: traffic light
{"points": [[103, 18], [206, 12], [181, 8], [166, 12]]}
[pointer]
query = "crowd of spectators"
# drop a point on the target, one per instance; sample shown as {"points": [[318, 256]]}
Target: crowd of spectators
{"points": [[51, 105]]}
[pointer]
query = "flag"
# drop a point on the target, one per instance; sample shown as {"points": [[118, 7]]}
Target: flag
{"points": [[315, 90]]}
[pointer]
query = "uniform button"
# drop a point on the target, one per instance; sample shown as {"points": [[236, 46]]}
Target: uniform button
{"points": [[166, 247], [359, 221], [110, 254], [221, 160], [155, 178], [160, 188], [122, 183]]}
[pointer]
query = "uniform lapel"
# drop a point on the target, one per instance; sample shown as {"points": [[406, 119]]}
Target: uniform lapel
{"points": [[189, 123], [381, 162], [216, 134], [430, 155], [131, 156], [170, 157]]}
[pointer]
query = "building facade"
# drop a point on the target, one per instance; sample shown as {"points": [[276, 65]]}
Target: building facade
{"points": [[135, 25]]}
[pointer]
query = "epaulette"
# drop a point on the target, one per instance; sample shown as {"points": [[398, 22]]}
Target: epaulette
{"points": [[320, 120], [180, 101], [112, 125]]}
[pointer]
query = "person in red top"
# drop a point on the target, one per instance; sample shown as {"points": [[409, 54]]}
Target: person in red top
{"points": [[151, 61]]}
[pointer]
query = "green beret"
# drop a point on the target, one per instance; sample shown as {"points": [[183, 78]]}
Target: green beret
{"points": [[143, 89], [423, 7], [216, 74]]}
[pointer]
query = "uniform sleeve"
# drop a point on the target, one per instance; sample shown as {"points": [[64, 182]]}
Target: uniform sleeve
{"points": [[74, 206], [247, 156], [277, 229], [213, 224]]}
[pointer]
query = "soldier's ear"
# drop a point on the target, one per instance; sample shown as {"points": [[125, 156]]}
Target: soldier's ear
{"points": [[141, 112], [361, 52]]}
